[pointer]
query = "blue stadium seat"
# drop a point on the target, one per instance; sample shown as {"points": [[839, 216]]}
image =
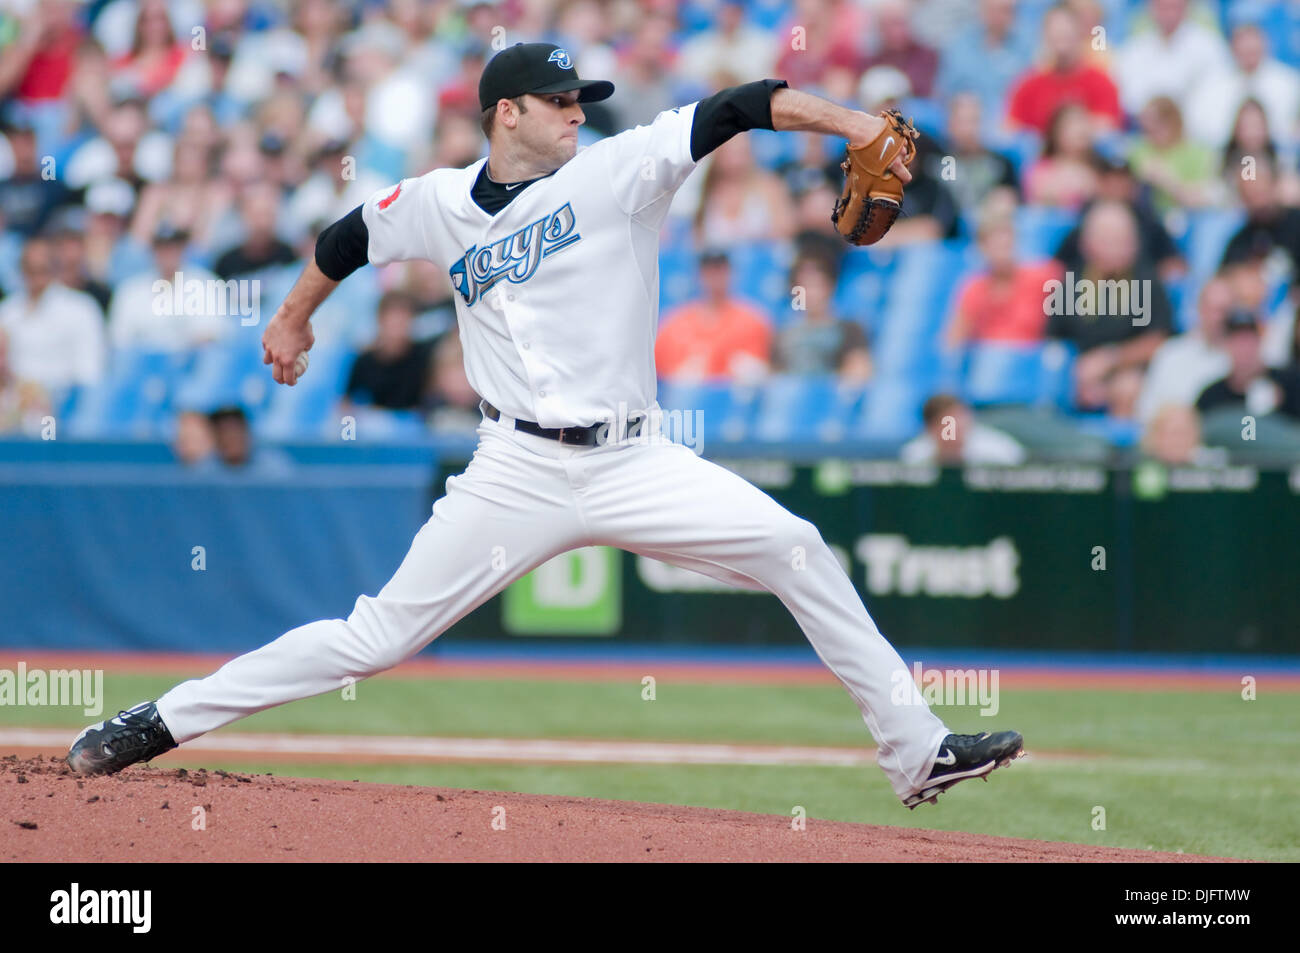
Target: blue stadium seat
{"points": [[741, 407], [1286, 36], [1116, 15], [727, 410], [928, 115], [1003, 373], [1022, 148], [383, 158], [1182, 299], [229, 372], [773, 149], [1119, 433], [922, 287], [835, 422], [307, 410], [768, 14], [1208, 232], [1279, 20], [1055, 374], [676, 231], [791, 406], [695, 16], [678, 276], [947, 373], [760, 272], [833, 148], [863, 284], [891, 410], [134, 400], [1029, 16], [1040, 230]]}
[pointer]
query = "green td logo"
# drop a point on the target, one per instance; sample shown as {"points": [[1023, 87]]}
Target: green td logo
{"points": [[576, 593]]}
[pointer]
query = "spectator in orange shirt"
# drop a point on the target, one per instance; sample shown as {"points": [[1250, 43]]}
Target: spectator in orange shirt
{"points": [[1005, 302], [1065, 77], [716, 337]]}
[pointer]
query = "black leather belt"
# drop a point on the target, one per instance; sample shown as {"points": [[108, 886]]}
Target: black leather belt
{"points": [[573, 436]]}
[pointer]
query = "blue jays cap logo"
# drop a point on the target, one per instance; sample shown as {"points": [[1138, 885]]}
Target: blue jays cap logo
{"points": [[562, 58]]}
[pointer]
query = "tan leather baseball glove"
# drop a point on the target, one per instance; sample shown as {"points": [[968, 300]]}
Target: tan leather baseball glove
{"points": [[873, 195]]}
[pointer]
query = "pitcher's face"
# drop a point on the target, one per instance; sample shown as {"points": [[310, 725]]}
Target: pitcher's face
{"points": [[549, 127]]}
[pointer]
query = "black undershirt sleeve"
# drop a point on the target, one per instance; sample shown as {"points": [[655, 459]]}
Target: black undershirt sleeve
{"points": [[732, 110], [343, 247]]}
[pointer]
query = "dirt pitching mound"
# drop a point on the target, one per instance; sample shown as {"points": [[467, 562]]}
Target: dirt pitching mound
{"points": [[148, 814]]}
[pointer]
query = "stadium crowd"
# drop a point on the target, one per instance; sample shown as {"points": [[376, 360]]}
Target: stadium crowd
{"points": [[216, 138]]}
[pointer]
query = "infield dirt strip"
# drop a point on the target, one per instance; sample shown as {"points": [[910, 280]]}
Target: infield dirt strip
{"points": [[149, 814]]}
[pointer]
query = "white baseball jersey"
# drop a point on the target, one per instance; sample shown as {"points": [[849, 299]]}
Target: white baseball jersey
{"points": [[557, 295]]}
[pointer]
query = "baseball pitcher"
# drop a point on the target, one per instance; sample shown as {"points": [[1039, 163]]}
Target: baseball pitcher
{"points": [[553, 254]]}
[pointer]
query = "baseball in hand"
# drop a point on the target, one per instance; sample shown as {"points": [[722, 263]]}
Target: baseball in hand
{"points": [[300, 365]]}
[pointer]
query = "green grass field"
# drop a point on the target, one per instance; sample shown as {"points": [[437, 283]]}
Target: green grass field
{"points": [[1200, 772]]}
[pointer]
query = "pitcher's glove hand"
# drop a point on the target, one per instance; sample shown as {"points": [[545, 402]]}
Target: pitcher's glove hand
{"points": [[873, 195]]}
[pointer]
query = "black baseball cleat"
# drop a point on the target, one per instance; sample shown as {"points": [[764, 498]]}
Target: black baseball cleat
{"points": [[135, 735], [967, 756]]}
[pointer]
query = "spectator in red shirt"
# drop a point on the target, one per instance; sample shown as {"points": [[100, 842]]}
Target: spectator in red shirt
{"points": [[155, 55], [1005, 301], [1065, 77], [717, 336], [37, 64], [900, 49]]}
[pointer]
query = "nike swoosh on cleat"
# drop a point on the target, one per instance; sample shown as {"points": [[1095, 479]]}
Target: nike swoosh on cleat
{"points": [[951, 759]]}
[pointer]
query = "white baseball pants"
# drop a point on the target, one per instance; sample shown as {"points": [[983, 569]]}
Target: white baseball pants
{"points": [[535, 498]]}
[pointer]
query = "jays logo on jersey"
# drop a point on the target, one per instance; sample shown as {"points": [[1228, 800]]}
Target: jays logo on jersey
{"points": [[562, 58], [514, 257]]}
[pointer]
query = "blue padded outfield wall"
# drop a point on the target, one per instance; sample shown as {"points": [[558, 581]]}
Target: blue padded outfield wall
{"points": [[100, 553], [103, 556]]}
